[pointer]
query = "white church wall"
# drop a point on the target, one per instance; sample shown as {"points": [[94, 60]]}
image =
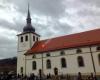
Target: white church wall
{"points": [[95, 54], [93, 48], [22, 48], [96, 62], [71, 60], [25, 45], [72, 65], [29, 69], [85, 49], [32, 41], [70, 51], [36, 55], [74, 50], [21, 62]]}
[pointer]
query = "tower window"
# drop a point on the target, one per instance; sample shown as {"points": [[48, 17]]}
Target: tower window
{"points": [[34, 65], [26, 38], [63, 62], [33, 38], [80, 61], [48, 64], [21, 39]]}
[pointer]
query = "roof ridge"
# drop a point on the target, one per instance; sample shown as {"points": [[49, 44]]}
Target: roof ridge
{"points": [[71, 34]]}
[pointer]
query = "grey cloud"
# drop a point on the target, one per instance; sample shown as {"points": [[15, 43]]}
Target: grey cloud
{"points": [[47, 7], [41, 7], [17, 26], [92, 2], [63, 29], [52, 8], [54, 28], [87, 12], [7, 47], [2, 7]]}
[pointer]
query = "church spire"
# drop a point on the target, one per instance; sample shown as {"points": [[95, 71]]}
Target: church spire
{"points": [[28, 27], [28, 16]]}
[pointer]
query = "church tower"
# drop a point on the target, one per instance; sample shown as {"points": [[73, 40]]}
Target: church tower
{"points": [[25, 41]]}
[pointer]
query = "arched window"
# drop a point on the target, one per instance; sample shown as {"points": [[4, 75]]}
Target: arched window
{"points": [[80, 61], [34, 65], [37, 39], [48, 64], [78, 51], [62, 53], [21, 39], [33, 38], [26, 38], [63, 62], [99, 58], [98, 48]]}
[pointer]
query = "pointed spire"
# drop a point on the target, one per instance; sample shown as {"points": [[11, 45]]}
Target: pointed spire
{"points": [[28, 27], [28, 16]]}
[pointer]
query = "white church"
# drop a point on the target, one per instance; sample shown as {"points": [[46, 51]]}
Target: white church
{"points": [[67, 54]]}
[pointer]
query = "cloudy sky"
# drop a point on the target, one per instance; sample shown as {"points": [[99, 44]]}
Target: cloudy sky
{"points": [[50, 18]]}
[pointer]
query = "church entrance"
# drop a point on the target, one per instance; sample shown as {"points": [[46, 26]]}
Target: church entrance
{"points": [[40, 73], [56, 71]]}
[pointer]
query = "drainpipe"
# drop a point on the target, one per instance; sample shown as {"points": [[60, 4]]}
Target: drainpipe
{"points": [[42, 62], [25, 64], [93, 61]]}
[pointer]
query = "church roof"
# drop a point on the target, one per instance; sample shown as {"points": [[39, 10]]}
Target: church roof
{"points": [[87, 38]]}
